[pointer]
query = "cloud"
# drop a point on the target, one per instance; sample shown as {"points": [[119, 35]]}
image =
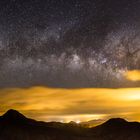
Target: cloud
{"points": [[133, 75], [58, 104]]}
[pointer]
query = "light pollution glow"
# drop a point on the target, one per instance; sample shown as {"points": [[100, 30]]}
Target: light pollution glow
{"points": [[64, 105], [133, 75]]}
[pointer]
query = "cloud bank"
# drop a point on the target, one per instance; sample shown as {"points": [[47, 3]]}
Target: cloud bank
{"points": [[56, 104]]}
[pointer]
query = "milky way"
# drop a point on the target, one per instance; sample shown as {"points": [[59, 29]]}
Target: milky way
{"points": [[69, 44]]}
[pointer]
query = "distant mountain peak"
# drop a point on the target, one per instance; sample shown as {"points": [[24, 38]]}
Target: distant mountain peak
{"points": [[120, 120], [13, 115], [115, 121]]}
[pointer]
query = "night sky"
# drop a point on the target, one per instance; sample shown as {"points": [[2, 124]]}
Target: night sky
{"points": [[61, 46], [70, 44]]}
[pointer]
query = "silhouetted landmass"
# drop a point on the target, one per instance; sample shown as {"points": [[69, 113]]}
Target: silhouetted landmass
{"points": [[15, 126]]}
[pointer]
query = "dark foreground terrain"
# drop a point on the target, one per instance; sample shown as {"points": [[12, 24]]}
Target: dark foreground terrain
{"points": [[15, 126]]}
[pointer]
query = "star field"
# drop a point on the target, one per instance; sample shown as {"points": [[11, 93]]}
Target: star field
{"points": [[69, 43]]}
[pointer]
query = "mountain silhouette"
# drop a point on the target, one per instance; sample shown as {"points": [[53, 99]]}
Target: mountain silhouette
{"points": [[13, 115], [15, 126]]}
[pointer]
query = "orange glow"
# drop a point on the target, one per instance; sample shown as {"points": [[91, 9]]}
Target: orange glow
{"points": [[133, 75], [64, 105]]}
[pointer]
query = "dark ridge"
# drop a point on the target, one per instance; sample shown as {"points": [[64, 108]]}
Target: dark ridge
{"points": [[13, 115], [115, 121], [15, 126], [113, 124]]}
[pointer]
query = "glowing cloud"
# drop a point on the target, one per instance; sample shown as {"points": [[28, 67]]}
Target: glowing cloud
{"points": [[64, 105], [133, 75]]}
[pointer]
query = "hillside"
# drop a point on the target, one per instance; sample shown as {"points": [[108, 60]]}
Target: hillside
{"points": [[15, 126]]}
